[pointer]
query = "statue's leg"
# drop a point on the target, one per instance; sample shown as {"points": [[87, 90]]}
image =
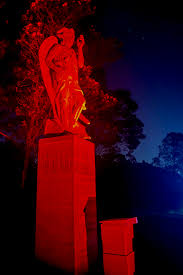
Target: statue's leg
{"points": [[69, 105], [63, 108]]}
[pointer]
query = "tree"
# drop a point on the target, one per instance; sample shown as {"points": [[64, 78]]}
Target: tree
{"points": [[171, 153], [41, 20], [118, 131], [121, 130]]}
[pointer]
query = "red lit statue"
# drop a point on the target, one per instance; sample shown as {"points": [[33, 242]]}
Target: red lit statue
{"points": [[59, 66]]}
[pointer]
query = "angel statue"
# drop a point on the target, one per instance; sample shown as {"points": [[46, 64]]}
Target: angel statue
{"points": [[59, 67]]}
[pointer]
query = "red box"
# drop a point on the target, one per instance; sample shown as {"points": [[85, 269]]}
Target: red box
{"points": [[119, 265], [117, 236]]}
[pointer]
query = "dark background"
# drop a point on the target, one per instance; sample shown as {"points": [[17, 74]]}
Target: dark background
{"points": [[151, 66], [123, 190]]}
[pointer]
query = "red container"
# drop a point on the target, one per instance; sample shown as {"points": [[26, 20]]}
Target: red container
{"points": [[117, 236]]}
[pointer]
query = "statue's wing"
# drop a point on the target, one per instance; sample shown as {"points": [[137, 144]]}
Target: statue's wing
{"points": [[45, 47]]}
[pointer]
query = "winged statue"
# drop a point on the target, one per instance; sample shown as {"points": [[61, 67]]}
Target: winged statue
{"points": [[59, 65]]}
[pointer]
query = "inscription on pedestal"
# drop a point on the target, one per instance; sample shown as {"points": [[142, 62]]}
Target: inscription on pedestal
{"points": [[55, 162]]}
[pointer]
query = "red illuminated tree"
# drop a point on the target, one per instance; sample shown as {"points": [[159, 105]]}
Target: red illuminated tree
{"points": [[113, 121], [41, 20]]}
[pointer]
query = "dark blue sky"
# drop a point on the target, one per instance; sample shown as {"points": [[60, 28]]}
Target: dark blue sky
{"points": [[151, 68]]}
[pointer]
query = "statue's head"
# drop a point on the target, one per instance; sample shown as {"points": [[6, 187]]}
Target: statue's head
{"points": [[66, 37]]}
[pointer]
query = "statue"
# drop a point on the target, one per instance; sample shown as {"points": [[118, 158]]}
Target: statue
{"points": [[59, 67]]}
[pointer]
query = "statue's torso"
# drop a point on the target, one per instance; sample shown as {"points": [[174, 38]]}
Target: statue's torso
{"points": [[66, 59]]}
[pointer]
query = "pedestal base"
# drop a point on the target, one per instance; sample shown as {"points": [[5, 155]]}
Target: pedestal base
{"points": [[66, 181]]}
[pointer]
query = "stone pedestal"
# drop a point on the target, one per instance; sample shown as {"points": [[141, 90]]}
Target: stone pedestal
{"points": [[66, 183], [117, 240]]}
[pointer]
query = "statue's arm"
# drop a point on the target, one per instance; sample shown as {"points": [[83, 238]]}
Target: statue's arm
{"points": [[80, 44], [50, 59]]}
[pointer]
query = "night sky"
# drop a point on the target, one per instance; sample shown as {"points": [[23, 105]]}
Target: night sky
{"points": [[151, 67]]}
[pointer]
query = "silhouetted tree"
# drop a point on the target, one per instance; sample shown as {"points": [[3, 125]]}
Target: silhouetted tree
{"points": [[118, 131], [171, 153]]}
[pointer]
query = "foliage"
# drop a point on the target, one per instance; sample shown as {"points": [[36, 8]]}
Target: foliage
{"points": [[3, 46], [43, 19], [40, 21], [111, 126], [171, 153], [119, 131]]}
